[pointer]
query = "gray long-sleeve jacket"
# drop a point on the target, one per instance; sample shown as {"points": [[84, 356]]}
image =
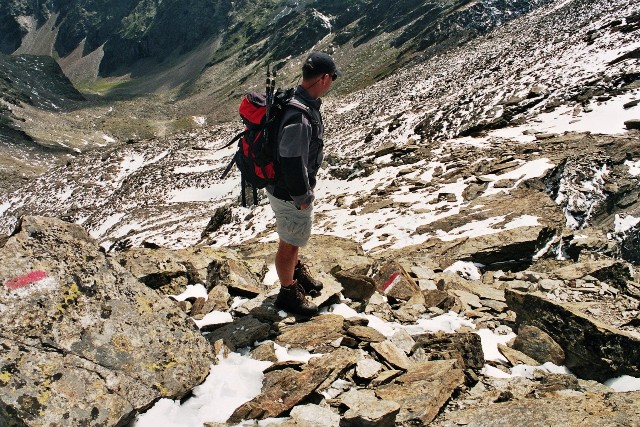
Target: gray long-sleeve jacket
{"points": [[300, 152]]}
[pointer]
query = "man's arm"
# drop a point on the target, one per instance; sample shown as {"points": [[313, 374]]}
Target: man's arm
{"points": [[294, 157]]}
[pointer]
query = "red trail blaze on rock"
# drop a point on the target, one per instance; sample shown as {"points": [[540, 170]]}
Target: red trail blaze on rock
{"points": [[27, 279], [393, 277]]}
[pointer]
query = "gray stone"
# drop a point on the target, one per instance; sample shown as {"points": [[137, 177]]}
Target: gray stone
{"points": [[314, 416], [320, 331], [497, 306], [366, 334], [516, 357], [266, 352], [581, 269], [469, 300], [521, 285], [355, 284], [392, 355], [549, 285], [217, 299], [368, 368], [366, 410], [440, 299], [466, 348], [393, 281], [403, 340], [288, 390], [553, 409], [632, 124], [243, 332], [539, 345]]}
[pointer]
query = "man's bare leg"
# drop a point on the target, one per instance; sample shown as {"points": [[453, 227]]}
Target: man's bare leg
{"points": [[286, 260], [292, 296]]}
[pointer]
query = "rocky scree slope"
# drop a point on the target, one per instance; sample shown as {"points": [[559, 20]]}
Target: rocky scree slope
{"points": [[36, 83], [547, 216]]}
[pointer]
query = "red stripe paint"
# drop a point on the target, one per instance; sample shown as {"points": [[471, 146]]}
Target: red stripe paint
{"points": [[27, 279], [393, 277]]}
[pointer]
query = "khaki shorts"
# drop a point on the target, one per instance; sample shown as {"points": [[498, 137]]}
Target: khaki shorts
{"points": [[293, 224]]}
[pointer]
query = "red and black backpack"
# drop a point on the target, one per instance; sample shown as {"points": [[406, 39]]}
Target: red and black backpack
{"points": [[256, 156]]}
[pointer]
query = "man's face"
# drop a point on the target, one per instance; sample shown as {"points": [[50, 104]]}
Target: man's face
{"points": [[326, 82]]}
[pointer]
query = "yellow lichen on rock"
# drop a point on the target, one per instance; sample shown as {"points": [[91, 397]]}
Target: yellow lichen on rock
{"points": [[5, 377], [121, 343]]}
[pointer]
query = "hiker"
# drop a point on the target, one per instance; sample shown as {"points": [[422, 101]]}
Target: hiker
{"points": [[299, 157]]}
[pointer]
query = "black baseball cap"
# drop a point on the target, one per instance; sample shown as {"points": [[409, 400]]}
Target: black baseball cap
{"points": [[321, 63]]}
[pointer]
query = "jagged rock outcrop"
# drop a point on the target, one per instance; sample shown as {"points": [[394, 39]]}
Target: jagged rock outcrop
{"points": [[170, 271], [294, 386], [593, 350], [73, 319], [578, 410], [630, 247]]}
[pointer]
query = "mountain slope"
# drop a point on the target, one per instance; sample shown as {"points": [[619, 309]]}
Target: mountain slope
{"points": [[37, 83], [151, 68], [389, 140], [127, 32]]}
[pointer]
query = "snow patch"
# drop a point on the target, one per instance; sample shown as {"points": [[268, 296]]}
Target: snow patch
{"points": [[106, 225], [233, 382], [192, 291], [625, 223], [196, 194], [194, 169], [199, 120], [465, 269], [634, 167], [214, 318], [624, 383]]}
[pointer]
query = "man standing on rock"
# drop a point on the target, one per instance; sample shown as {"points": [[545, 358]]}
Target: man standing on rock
{"points": [[299, 157]]}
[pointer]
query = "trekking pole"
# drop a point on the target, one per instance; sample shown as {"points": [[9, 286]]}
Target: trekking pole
{"points": [[266, 92], [243, 191], [273, 85]]}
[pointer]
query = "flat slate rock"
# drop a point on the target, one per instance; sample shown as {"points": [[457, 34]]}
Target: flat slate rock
{"points": [[554, 409], [423, 391]]}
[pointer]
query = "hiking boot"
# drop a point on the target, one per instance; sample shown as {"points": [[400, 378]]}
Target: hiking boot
{"points": [[302, 275], [292, 298]]}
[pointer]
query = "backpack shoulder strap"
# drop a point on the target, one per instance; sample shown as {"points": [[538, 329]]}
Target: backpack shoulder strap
{"points": [[306, 110]]}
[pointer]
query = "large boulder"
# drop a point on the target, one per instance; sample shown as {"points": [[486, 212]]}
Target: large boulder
{"points": [[520, 228], [593, 350], [82, 340], [423, 391], [393, 281], [171, 270]]}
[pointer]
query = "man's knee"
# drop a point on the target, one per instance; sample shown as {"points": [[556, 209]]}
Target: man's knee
{"points": [[286, 247]]}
